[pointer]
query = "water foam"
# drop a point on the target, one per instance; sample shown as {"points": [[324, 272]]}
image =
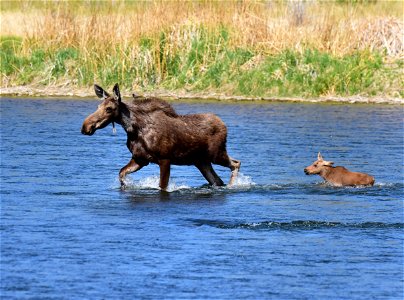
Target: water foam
{"points": [[152, 183], [242, 181]]}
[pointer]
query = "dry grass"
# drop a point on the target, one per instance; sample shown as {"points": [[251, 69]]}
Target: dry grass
{"points": [[268, 27], [301, 48]]}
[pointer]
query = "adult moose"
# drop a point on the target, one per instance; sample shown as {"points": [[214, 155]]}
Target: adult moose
{"points": [[157, 134]]}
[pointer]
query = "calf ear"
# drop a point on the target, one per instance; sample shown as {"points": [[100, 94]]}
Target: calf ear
{"points": [[117, 93], [319, 157], [99, 91], [328, 163]]}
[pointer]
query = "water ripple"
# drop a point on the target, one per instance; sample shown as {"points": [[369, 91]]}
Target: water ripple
{"points": [[295, 225], [245, 184], [68, 231]]}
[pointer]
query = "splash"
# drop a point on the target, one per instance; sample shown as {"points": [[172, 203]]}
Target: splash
{"points": [[242, 181], [387, 184], [152, 183]]}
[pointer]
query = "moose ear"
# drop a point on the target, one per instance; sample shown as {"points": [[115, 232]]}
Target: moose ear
{"points": [[99, 91], [117, 93], [328, 163], [319, 157]]}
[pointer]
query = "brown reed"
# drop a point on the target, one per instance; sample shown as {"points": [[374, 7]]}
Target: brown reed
{"points": [[263, 26]]}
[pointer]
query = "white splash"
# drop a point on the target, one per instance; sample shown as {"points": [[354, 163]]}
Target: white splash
{"points": [[384, 184], [242, 181], [152, 182]]}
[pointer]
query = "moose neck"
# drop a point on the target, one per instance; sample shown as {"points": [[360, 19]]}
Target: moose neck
{"points": [[326, 172], [124, 117], [130, 120]]}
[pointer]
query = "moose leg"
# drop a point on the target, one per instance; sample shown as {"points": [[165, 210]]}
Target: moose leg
{"points": [[226, 161], [131, 167], [210, 174], [164, 173], [234, 167]]}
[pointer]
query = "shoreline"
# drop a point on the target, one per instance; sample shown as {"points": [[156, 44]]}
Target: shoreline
{"points": [[66, 92]]}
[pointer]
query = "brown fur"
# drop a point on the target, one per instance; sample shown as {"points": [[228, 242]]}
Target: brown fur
{"points": [[157, 134], [338, 176]]}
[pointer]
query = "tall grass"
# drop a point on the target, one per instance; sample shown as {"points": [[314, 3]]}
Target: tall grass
{"points": [[246, 47]]}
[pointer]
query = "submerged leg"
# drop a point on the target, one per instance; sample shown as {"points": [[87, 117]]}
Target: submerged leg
{"points": [[131, 167], [210, 174], [164, 173]]}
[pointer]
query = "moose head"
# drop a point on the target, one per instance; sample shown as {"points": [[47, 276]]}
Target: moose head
{"points": [[317, 166], [107, 112]]}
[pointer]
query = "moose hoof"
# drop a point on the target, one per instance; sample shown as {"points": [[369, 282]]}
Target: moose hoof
{"points": [[123, 184]]}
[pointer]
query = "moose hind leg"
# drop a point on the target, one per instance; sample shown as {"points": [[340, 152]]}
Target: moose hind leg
{"points": [[234, 167], [131, 167], [226, 161], [210, 174]]}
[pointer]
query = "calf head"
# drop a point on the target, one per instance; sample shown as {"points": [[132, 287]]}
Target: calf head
{"points": [[107, 112], [317, 166]]}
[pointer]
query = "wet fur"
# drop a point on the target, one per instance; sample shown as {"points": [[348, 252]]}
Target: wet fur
{"points": [[338, 176], [157, 134], [341, 176]]}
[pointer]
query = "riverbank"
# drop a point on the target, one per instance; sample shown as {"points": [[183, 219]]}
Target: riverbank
{"points": [[288, 50], [27, 91]]}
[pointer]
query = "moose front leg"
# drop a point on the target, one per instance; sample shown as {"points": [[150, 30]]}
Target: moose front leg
{"points": [[210, 175], [131, 167], [164, 173]]}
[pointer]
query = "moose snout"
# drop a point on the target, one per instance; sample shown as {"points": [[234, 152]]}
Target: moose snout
{"points": [[87, 129], [306, 171]]}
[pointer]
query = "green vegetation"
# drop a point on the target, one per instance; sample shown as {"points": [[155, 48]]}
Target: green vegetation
{"points": [[235, 48], [313, 74], [208, 65]]}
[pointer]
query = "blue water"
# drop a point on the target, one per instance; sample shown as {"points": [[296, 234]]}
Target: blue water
{"points": [[69, 232]]}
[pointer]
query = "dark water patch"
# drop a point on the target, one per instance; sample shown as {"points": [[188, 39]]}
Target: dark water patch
{"points": [[63, 193], [296, 225]]}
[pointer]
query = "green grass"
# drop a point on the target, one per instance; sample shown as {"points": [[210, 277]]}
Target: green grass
{"points": [[314, 74], [207, 64]]}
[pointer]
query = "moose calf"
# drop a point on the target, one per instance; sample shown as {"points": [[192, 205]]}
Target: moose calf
{"points": [[338, 176]]}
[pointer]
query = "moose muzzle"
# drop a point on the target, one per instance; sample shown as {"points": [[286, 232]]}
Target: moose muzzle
{"points": [[88, 127]]}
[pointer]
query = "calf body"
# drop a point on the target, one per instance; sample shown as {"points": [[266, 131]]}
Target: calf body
{"points": [[338, 176], [157, 134]]}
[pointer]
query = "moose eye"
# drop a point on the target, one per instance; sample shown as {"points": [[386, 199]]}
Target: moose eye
{"points": [[108, 110]]}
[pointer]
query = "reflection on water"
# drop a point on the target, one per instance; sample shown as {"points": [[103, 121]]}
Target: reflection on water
{"points": [[68, 231]]}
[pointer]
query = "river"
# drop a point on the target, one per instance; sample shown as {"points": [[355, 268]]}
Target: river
{"points": [[69, 232]]}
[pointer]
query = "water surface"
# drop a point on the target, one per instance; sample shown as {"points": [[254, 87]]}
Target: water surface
{"points": [[69, 232]]}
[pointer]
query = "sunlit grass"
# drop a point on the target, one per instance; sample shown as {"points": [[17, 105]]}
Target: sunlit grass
{"points": [[237, 47]]}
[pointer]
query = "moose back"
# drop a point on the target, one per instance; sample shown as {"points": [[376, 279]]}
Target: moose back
{"points": [[157, 134]]}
